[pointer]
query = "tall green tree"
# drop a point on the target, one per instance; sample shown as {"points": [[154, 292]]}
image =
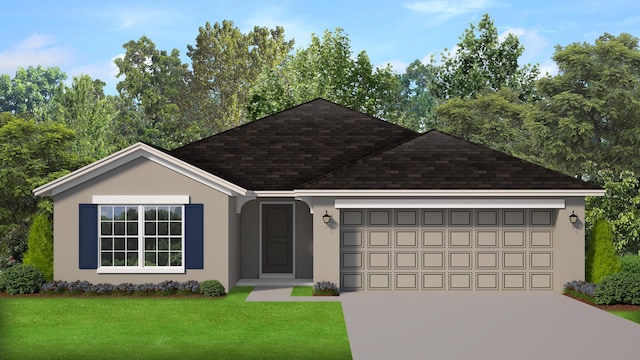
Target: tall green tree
{"points": [[483, 62], [84, 108], [30, 90], [155, 84], [226, 64], [591, 108], [418, 102], [327, 69]]}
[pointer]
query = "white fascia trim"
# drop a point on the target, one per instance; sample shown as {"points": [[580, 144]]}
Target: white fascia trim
{"points": [[129, 154], [451, 193], [274, 193], [449, 203], [139, 270], [140, 199]]}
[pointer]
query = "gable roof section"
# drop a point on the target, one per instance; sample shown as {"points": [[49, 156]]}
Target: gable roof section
{"points": [[129, 154], [438, 161], [295, 146]]}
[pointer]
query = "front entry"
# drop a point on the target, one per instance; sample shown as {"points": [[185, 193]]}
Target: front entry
{"points": [[277, 238]]}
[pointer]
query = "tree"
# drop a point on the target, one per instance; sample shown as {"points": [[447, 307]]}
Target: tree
{"points": [[40, 245], [31, 154], [620, 206], [226, 64], [483, 62], [30, 91], [155, 84], [85, 109], [327, 69], [591, 109], [418, 102], [601, 259]]}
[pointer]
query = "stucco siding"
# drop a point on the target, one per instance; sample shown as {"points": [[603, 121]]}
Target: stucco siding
{"points": [[250, 240], [142, 177], [304, 241], [326, 241]]}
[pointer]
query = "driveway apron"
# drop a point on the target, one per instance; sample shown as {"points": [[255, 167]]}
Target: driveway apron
{"points": [[484, 326]]}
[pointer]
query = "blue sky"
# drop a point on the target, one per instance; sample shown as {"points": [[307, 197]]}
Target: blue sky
{"points": [[85, 36]]}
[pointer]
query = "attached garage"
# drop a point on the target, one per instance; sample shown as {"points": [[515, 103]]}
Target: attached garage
{"points": [[447, 248]]}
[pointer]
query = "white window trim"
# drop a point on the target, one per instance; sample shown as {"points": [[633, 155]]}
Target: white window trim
{"points": [[140, 199], [140, 269]]}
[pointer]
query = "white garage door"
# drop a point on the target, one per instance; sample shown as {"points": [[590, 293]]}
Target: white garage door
{"points": [[440, 249]]}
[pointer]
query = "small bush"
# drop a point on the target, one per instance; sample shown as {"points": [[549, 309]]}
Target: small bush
{"points": [[84, 287], [325, 288], [620, 288], [601, 259], [22, 279], [582, 287], [630, 263], [212, 288]]}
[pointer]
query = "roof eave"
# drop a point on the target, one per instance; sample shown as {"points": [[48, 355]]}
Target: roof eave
{"points": [[452, 193]]}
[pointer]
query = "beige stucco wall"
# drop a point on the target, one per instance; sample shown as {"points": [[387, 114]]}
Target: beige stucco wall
{"points": [[144, 177], [250, 238], [326, 241], [568, 244]]}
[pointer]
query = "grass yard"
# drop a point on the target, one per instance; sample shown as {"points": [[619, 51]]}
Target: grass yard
{"points": [[302, 291], [170, 328], [633, 315]]}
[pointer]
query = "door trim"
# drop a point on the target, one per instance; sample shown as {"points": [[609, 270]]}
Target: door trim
{"points": [[293, 239]]}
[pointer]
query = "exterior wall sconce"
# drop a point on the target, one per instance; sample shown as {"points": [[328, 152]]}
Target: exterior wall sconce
{"points": [[573, 218], [326, 218]]}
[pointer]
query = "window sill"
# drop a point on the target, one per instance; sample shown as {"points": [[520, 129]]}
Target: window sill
{"points": [[126, 270]]}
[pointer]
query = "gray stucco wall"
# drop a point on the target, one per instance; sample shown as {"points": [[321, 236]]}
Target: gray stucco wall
{"points": [[143, 177]]}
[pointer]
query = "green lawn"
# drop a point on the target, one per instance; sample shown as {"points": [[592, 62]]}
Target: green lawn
{"points": [[302, 291], [629, 315], [170, 328]]}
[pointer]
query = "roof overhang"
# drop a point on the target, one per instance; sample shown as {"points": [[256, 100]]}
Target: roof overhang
{"points": [[453, 193], [451, 203], [131, 153]]}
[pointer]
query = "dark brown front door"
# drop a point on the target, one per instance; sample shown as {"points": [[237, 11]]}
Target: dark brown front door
{"points": [[277, 238]]}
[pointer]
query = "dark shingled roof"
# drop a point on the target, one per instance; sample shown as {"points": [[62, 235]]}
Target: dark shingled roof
{"points": [[290, 148], [436, 160]]}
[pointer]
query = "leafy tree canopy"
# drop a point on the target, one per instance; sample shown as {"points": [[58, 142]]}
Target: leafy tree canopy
{"points": [[30, 90]]}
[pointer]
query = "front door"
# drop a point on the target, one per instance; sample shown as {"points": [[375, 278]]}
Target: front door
{"points": [[277, 238]]}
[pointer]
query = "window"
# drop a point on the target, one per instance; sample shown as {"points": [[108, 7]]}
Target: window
{"points": [[146, 238]]}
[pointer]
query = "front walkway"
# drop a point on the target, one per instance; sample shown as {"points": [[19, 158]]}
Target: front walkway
{"points": [[283, 293]]}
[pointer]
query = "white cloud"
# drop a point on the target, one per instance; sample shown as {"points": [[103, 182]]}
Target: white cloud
{"points": [[448, 8], [534, 44], [35, 50], [105, 71], [548, 67]]}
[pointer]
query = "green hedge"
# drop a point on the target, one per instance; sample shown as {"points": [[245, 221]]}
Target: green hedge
{"points": [[40, 245], [21, 279], [620, 288], [212, 288], [630, 263], [601, 259]]}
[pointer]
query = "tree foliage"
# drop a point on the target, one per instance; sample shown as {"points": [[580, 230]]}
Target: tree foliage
{"points": [[591, 109], [620, 206], [226, 64], [326, 69], [40, 245], [30, 90], [483, 62]]}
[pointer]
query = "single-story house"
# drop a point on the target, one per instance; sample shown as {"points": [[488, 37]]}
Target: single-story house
{"points": [[323, 193]]}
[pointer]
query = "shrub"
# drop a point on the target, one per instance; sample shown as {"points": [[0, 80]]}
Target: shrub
{"points": [[620, 288], [85, 287], [601, 259], [325, 288], [582, 287], [22, 279], [13, 242], [212, 288], [40, 245], [630, 263]]}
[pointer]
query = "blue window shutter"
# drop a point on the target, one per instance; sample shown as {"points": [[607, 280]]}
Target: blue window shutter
{"points": [[88, 236], [194, 235]]}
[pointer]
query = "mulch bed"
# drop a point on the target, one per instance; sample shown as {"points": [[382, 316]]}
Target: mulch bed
{"points": [[617, 307], [129, 296]]}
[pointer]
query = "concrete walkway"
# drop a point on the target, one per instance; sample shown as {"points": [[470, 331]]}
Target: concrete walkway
{"points": [[283, 293]]}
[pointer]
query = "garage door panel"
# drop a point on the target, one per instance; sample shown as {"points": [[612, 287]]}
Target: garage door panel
{"points": [[379, 281], [380, 260], [406, 239], [433, 238], [406, 260], [406, 281], [433, 260], [447, 249], [433, 281]]}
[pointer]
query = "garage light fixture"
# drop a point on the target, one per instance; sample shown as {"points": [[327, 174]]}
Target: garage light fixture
{"points": [[326, 217], [573, 218]]}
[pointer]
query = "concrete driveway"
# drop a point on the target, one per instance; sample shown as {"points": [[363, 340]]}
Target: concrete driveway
{"points": [[484, 326]]}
